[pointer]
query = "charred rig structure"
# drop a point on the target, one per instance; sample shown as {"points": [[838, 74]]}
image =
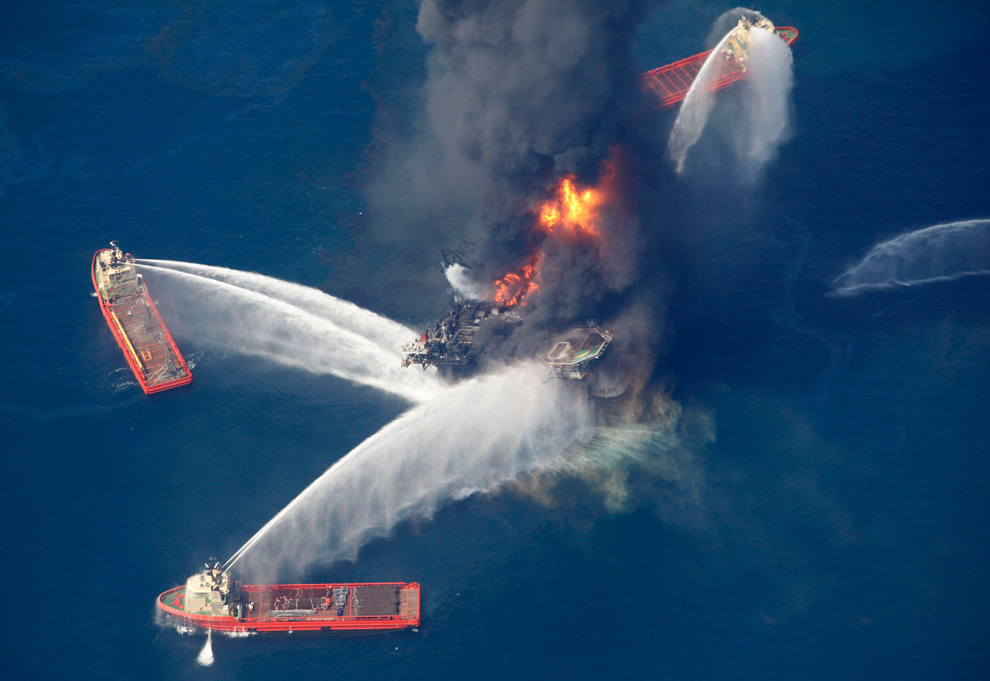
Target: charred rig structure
{"points": [[449, 343]]}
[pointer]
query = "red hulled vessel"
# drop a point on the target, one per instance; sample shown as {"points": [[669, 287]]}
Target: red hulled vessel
{"points": [[134, 320], [670, 83], [212, 599]]}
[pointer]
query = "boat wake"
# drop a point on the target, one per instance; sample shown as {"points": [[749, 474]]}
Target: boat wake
{"points": [[290, 324], [471, 437]]}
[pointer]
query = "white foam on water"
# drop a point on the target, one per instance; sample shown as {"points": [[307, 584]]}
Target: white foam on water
{"points": [[761, 118], [205, 657]]}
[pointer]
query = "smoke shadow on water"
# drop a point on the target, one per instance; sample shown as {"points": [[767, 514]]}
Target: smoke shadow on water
{"points": [[943, 252], [289, 324]]}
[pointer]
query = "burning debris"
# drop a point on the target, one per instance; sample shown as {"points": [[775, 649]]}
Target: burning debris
{"points": [[513, 289]]}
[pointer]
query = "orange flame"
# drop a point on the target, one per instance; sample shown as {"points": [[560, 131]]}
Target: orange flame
{"points": [[513, 289], [571, 209]]}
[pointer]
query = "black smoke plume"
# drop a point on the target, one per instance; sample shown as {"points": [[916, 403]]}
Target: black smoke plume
{"points": [[518, 94]]}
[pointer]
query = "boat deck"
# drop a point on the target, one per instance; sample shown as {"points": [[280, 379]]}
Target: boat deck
{"points": [[671, 83], [149, 344], [381, 606], [133, 318], [318, 601]]}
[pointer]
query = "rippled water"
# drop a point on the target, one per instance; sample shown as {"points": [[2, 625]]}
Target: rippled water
{"points": [[834, 526]]}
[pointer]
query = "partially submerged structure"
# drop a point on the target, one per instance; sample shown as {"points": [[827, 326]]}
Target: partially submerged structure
{"points": [[449, 341]]}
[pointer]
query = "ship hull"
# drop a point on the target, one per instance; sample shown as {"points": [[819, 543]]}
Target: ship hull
{"points": [[670, 84], [142, 336], [267, 617]]}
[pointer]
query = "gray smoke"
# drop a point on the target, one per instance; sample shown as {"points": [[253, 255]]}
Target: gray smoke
{"points": [[518, 93]]}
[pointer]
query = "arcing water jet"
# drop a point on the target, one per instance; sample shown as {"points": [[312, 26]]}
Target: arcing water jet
{"points": [[760, 123], [205, 657], [470, 438], [374, 327], [292, 325], [938, 253]]}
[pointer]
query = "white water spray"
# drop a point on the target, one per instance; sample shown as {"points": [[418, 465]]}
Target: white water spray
{"points": [[693, 115], [205, 657], [469, 438], [292, 325], [939, 253], [376, 328], [459, 279], [760, 121]]}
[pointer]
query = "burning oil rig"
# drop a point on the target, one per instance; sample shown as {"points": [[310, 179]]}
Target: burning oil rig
{"points": [[449, 343]]}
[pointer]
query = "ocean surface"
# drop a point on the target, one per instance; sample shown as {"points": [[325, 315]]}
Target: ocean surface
{"points": [[836, 526]]}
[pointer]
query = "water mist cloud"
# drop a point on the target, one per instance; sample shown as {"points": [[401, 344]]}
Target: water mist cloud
{"points": [[693, 115], [472, 437], [939, 253]]}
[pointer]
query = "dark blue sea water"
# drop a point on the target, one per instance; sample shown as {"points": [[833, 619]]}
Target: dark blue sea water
{"points": [[839, 528]]}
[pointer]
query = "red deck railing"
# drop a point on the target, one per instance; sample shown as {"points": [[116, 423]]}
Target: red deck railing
{"points": [[671, 83]]}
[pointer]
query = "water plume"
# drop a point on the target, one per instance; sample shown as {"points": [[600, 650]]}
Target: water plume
{"points": [[205, 657], [939, 253], [291, 325], [459, 279], [375, 327], [693, 115], [470, 438], [758, 119]]}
